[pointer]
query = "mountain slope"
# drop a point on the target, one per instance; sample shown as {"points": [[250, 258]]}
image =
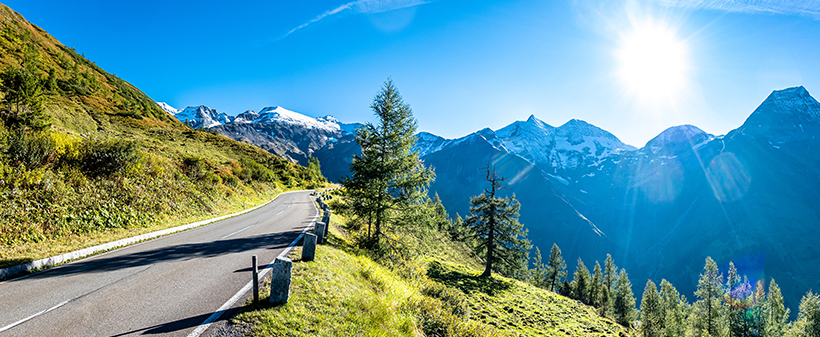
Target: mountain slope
{"points": [[113, 163]]}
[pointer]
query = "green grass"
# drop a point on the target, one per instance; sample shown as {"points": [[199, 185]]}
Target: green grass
{"points": [[113, 164], [343, 292]]}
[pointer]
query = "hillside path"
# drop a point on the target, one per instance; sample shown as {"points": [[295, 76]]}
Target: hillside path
{"points": [[167, 286]]}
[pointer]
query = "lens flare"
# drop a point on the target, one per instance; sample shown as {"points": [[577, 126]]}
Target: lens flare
{"points": [[742, 296]]}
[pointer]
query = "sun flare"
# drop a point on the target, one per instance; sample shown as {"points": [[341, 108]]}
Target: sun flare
{"points": [[652, 64]]}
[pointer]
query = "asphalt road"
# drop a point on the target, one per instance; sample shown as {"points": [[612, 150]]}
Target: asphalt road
{"points": [[167, 286]]}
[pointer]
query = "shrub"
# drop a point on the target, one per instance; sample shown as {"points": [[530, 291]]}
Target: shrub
{"points": [[251, 170], [106, 157], [31, 149]]}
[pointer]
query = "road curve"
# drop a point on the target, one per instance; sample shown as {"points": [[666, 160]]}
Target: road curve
{"points": [[167, 286]]}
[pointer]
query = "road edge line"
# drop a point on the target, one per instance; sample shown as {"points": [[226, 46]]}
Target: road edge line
{"points": [[85, 252], [224, 308]]}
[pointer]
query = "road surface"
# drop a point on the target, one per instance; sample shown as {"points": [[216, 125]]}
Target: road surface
{"points": [[166, 286]]}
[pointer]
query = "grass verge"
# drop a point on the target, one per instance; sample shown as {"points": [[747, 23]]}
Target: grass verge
{"points": [[344, 292]]}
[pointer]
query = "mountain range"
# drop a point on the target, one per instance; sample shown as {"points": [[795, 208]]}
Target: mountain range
{"points": [[750, 196]]}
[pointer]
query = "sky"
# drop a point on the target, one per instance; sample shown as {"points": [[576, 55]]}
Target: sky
{"points": [[633, 68]]}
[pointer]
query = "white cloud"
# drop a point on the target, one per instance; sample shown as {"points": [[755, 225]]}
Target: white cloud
{"points": [[809, 8], [365, 7]]}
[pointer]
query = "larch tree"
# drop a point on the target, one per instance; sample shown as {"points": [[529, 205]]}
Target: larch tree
{"points": [[675, 309], [624, 301], [538, 275], [709, 306], [776, 314], [387, 177], [652, 312], [556, 268], [595, 287], [494, 221], [581, 282]]}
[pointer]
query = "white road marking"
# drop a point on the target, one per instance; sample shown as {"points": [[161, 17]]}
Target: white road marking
{"points": [[280, 212], [215, 316], [229, 235], [32, 316]]}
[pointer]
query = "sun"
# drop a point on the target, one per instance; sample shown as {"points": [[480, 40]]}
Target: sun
{"points": [[653, 64]]}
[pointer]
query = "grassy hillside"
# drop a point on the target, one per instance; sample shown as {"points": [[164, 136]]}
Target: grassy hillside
{"points": [[109, 163], [438, 293]]}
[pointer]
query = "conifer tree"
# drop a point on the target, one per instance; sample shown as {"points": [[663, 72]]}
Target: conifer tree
{"points": [[595, 287], [708, 310], [556, 267], [604, 298], [494, 222], [624, 301], [611, 273], [776, 314], [538, 275], [652, 314], [581, 282], [735, 312], [808, 319], [675, 309], [387, 177]]}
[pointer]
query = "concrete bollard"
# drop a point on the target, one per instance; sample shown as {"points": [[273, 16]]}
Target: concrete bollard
{"points": [[319, 230], [309, 247], [280, 281]]}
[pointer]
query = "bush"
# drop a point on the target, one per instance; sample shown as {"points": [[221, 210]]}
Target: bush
{"points": [[251, 170], [199, 169], [31, 149], [106, 157]]}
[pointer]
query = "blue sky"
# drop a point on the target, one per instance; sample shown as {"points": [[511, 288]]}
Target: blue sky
{"points": [[461, 65]]}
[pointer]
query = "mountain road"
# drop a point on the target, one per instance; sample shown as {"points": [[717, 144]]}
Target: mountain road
{"points": [[167, 286]]}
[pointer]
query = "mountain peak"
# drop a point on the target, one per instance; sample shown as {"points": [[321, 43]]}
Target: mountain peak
{"points": [[168, 108], [686, 135], [787, 114]]}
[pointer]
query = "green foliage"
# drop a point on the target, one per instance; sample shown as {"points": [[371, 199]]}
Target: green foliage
{"points": [[501, 238], [675, 310], [776, 313], [556, 267], [105, 157], [808, 319], [581, 283], [595, 286], [708, 310], [652, 312], [23, 99], [250, 170], [32, 150], [387, 177], [538, 275], [624, 301]]}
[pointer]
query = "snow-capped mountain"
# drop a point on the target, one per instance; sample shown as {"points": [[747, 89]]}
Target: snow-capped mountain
{"points": [[677, 137], [202, 117], [555, 151], [168, 108], [278, 130]]}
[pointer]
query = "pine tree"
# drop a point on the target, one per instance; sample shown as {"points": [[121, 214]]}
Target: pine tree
{"points": [[387, 176], [652, 312], [709, 307], [538, 275], [595, 287], [675, 309], [556, 267], [611, 273], [808, 319], [440, 217], [581, 282], [494, 221], [776, 314], [604, 298], [736, 295], [624, 301], [23, 99]]}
